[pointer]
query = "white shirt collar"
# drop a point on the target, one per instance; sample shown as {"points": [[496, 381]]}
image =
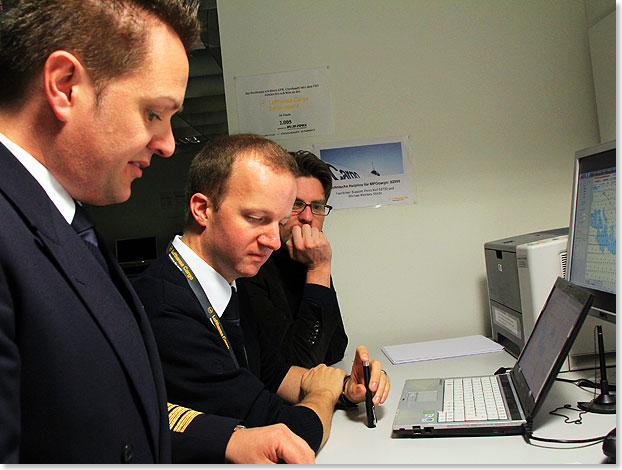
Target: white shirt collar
{"points": [[216, 287], [55, 191]]}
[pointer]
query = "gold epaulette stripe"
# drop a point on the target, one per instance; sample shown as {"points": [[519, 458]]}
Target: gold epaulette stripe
{"points": [[179, 417]]}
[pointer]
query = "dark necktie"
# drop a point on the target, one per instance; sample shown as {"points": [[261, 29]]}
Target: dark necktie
{"points": [[85, 228], [231, 322]]}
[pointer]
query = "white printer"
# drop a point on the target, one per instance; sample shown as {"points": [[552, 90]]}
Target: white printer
{"points": [[521, 271]]}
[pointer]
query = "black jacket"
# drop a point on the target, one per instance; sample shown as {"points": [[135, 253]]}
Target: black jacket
{"points": [[303, 320]]}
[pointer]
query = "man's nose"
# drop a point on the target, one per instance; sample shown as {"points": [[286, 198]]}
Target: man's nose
{"points": [[306, 216], [271, 238], [163, 142]]}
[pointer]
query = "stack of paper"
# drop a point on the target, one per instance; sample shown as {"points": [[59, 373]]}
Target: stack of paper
{"points": [[440, 349]]}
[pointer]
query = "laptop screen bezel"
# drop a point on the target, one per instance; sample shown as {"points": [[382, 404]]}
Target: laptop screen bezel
{"points": [[530, 403]]}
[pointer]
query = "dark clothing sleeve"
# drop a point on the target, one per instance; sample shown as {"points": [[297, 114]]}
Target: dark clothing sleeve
{"points": [[205, 438], [198, 370], [303, 320]]}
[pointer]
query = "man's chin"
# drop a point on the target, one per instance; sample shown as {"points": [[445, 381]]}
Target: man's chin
{"points": [[106, 199], [250, 271]]}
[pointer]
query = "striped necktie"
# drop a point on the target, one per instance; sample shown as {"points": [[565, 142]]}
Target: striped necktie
{"points": [[85, 228]]}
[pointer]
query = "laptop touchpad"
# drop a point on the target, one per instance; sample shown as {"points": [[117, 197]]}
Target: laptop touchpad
{"points": [[426, 396]]}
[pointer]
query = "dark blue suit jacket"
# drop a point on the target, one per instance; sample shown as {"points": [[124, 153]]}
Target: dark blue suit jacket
{"points": [[198, 369], [80, 376]]}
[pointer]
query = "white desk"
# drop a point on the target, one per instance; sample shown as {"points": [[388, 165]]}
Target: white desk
{"points": [[352, 442]]}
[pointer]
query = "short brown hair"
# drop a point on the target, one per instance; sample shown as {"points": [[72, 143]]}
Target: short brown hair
{"points": [[109, 37], [211, 168], [311, 166]]}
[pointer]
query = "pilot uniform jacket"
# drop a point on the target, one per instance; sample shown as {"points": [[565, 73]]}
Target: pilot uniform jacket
{"points": [[198, 369], [303, 320], [80, 377]]}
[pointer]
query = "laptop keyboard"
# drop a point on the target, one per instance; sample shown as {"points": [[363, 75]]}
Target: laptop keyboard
{"points": [[472, 399]]}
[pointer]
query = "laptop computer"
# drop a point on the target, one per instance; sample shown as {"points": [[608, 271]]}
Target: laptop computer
{"points": [[507, 403]]}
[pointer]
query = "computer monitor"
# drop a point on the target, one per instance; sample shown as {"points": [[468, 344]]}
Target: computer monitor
{"points": [[136, 250], [592, 237]]}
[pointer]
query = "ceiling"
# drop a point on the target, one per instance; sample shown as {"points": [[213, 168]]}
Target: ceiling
{"points": [[204, 114]]}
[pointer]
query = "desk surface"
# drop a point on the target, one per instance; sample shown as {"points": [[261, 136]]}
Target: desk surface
{"points": [[352, 442]]}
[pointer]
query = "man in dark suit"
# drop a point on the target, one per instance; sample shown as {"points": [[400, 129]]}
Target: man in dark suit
{"points": [[87, 91], [240, 191]]}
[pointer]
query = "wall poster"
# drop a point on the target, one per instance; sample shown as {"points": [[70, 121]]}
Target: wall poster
{"points": [[368, 173], [286, 104]]}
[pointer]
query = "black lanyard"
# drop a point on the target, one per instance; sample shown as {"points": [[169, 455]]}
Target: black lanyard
{"points": [[209, 311]]}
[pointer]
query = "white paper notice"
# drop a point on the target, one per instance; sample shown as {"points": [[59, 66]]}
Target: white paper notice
{"points": [[287, 104], [440, 349]]}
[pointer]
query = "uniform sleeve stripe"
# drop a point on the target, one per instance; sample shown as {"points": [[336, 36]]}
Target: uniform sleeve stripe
{"points": [[179, 417]]}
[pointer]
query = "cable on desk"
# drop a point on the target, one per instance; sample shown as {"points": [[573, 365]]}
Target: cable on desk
{"points": [[585, 383], [528, 434], [567, 419]]}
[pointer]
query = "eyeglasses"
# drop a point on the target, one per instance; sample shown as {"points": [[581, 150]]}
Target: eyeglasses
{"points": [[316, 208]]}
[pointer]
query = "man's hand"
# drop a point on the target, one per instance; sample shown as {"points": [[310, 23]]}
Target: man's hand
{"points": [[268, 444], [324, 380], [321, 387], [309, 246], [379, 382]]}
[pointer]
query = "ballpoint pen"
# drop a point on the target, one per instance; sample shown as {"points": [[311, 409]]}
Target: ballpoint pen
{"points": [[369, 405]]}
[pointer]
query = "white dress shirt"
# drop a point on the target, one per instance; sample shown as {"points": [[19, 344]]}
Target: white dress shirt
{"points": [[55, 191], [216, 287]]}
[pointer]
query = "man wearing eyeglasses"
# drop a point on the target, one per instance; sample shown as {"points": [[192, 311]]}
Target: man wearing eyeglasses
{"points": [[292, 296]]}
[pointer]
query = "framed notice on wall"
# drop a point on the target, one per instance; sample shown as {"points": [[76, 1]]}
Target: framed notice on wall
{"points": [[286, 104], [368, 173]]}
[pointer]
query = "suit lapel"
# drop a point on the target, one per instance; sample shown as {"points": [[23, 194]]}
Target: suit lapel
{"points": [[101, 298]]}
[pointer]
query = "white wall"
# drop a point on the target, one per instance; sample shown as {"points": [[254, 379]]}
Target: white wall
{"points": [[603, 56], [495, 96]]}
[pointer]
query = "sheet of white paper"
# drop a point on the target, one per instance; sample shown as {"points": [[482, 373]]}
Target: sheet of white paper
{"points": [[439, 349]]}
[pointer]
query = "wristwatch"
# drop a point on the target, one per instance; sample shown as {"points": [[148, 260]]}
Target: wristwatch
{"points": [[343, 401]]}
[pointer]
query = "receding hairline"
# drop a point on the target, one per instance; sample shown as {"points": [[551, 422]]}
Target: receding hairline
{"points": [[254, 155]]}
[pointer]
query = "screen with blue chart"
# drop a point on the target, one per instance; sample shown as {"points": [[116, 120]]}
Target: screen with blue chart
{"points": [[593, 225]]}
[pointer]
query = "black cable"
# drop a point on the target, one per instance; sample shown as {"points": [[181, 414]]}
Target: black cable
{"points": [[567, 418], [585, 383], [565, 441], [529, 435]]}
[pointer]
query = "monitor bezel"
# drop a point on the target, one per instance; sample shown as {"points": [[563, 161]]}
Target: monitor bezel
{"points": [[152, 240], [604, 305]]}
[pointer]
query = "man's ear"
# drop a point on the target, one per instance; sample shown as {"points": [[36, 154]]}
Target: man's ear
{"points": [[62, 75], [201, 208]]}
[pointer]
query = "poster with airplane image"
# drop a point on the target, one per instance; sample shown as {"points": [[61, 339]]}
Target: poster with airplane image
{"points": [[368, 173]]}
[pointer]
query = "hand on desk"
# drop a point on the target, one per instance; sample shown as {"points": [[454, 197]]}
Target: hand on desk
{"points": [[379, 383], [323, 379], [268, 444]]}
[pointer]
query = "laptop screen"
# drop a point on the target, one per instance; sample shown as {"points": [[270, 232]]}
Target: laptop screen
{"points": [[560, 318]]}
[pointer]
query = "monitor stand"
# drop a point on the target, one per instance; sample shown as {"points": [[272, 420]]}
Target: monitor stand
{"points": [[603, 403]]}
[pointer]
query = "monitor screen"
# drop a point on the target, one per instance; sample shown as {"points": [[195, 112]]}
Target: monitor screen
{"points": [[592, 239], [136, 250]]}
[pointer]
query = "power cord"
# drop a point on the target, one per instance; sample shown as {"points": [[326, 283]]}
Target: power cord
{"points": [[528, 435], [585, 383], [567, 418]]}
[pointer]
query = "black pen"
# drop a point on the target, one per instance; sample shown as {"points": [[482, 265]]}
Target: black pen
{"points": [[369, 405]]}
